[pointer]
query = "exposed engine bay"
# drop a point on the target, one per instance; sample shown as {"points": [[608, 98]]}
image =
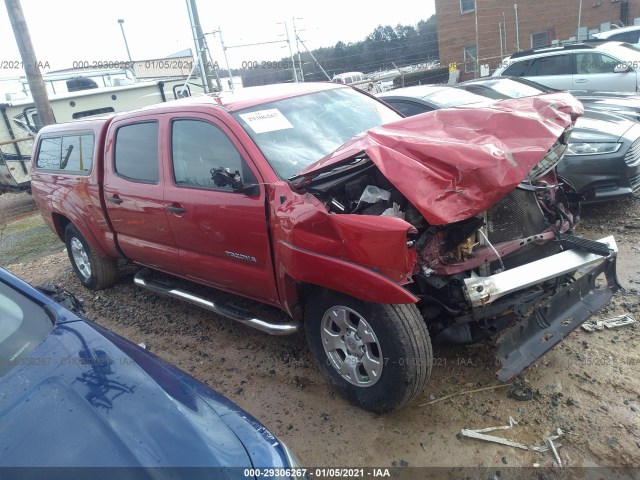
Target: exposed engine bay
{"points": [[462, 208], [522, 227]]}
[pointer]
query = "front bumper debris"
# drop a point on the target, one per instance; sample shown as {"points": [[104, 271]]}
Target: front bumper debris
{"points": [[481, 291], [548, 324]]}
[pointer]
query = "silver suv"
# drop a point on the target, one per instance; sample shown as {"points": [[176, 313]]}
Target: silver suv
{"points": [[624, 34], [611, 66]]}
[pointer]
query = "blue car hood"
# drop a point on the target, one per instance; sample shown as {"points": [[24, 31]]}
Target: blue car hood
{"points": [[78, 400]]}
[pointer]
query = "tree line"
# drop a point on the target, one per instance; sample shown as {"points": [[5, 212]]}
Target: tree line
{"points": [[380, 50]]}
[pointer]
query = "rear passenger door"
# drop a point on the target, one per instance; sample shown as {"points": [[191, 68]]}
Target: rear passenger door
{"points": [[554, 71], [134, 195], [221, 234]]}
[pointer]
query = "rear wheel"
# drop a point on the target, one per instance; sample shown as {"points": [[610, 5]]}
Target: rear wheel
{"points": [[94, 272], [378, 356]]}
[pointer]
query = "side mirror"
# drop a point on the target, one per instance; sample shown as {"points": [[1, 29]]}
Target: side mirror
{"points": [[622, 68], [250, 190], [223, 176]]}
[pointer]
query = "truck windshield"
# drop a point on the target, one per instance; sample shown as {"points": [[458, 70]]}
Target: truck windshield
{"points": [[295, 132], [23, 326]]}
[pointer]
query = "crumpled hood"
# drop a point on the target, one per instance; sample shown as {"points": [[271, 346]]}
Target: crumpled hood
{"points": [[457, 162]]}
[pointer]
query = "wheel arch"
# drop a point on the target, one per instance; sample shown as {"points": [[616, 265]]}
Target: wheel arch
{"points": [[60, 222], [300, 271]]}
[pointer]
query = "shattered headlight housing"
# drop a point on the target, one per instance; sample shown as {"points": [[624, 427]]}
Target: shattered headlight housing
{"points": [[588, 148], [553, 156]]}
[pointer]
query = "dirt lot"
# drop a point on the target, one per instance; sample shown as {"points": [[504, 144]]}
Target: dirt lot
{"points": [[589, 386]]}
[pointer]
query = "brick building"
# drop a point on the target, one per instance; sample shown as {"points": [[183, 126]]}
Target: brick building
{"points": [[499, 27]]}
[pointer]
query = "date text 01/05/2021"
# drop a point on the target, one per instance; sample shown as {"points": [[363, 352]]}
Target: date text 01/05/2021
{"points": [[325, 472]]}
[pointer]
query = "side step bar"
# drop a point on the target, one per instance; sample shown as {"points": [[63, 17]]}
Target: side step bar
{"points": [[230, 311]]}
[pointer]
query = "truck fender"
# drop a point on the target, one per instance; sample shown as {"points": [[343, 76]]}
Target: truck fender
{"points": [[309, 267], [60, 221]]}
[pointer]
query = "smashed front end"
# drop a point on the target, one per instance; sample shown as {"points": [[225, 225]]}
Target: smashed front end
{"points": [[480, 227]]}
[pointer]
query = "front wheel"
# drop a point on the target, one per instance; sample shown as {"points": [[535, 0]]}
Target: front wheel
{"points": [[378, 356], [95, 272]]}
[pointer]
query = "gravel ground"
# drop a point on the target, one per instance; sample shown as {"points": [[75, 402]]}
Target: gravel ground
{"points": [[589, 385]]}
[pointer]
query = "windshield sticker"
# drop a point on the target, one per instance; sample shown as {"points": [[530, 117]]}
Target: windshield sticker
{"points": [[264, 121]]}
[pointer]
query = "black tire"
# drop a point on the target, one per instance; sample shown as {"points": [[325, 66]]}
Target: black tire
{"points": [[400, 341], [94, 272]]}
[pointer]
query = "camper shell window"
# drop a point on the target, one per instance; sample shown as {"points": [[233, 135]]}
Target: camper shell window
{"points": [[69, 153]]}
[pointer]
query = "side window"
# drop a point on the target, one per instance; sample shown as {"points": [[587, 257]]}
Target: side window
{"points": [[136, 152], [467, 6], [69, 153], [95, 111], [517, 69], [196, 148], [551, 65], [77, 153], [408, 108], [593, 62], [629, 37], [470, 58], [181, 91], [50, 154]]}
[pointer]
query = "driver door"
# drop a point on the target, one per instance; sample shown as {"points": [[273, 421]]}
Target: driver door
{"points": [[595, 71], [221, 234]]}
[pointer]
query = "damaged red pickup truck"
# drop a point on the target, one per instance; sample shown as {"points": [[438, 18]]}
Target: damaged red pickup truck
{"points": [[372, 233]]}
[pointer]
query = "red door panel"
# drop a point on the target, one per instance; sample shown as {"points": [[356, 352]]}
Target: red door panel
{"points": [[134, 195], [221, 234]]}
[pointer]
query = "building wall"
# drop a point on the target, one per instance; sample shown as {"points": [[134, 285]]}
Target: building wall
{"points": [[560, 17]]}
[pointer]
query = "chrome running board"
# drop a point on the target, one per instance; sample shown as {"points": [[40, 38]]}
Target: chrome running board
{"points": [[229, 311]]}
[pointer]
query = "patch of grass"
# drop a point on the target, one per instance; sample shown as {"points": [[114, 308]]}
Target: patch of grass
{"points": [[26, 239]]}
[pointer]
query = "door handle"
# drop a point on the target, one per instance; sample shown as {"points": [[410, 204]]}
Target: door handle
{"points": [[581, 80], [173, 209], [115, 199]]}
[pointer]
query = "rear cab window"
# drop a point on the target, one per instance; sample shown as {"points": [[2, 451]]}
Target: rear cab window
{"points": [[68, 153]]}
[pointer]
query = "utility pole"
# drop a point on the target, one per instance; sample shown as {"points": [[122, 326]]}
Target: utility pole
{"points": [[477, 72], [126, 44], [314, 59], [295, 33], [30, 64], [504, 24], [579, 19], [293, 62], [201, 45], [226, 60], [515, 7]]}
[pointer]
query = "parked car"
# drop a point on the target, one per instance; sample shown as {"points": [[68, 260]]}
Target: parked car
{"points": [[602, 161], [76, 396], [624, 34], [368, 230], [625, 104], [604, 66], [426, 98]]}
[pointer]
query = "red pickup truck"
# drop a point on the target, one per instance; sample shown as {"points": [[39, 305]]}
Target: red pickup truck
{"points": [[374, 234]]}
